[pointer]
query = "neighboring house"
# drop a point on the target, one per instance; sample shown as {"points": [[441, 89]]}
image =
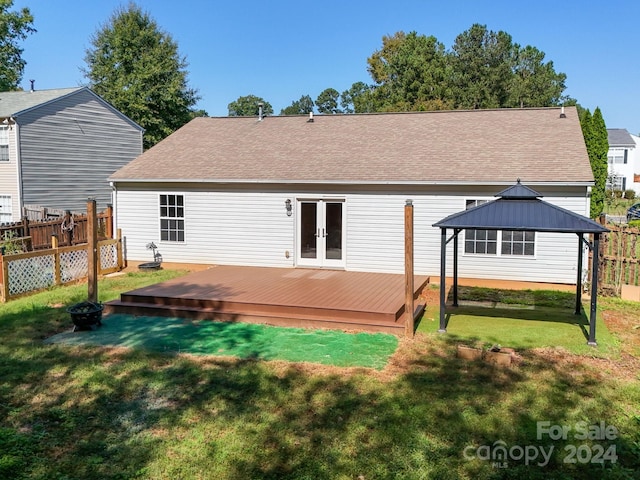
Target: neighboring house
{"points": [[623, 160], [329, 191], [58, 147]]}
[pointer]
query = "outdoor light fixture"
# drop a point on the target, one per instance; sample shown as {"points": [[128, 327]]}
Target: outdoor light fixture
{"points": [[287, 204]]}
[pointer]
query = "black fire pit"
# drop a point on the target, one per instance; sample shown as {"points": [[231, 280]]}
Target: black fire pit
{"points": [[86, 315]]}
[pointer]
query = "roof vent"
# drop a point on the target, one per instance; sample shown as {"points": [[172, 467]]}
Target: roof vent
{"points": [[310, 117], [32, 82], [562, 115], [260, 111]]}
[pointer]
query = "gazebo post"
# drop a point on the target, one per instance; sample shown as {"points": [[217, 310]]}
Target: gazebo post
{"points": [[579, 279], [443, 275], [456, 231], [594, 290]]}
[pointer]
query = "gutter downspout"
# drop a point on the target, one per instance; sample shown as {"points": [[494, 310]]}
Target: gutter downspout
{"points": [[18, 169]]}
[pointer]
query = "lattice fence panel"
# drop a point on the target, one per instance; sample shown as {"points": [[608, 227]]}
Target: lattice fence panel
{"points": [[108, 256], [73, 265], [29, 274]]}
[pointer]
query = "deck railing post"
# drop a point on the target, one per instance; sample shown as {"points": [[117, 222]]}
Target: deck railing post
{"points": [[408, 268]]}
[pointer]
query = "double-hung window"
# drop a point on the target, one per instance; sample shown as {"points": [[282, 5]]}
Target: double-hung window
{"points": [[4, 143], [485, 242], [172, 218]]}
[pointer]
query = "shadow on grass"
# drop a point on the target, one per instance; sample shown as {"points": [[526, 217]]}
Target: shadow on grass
{"points": [[99, 413]]}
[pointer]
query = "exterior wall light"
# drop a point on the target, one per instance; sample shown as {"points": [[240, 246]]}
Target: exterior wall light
{"points": [[287, 204]]}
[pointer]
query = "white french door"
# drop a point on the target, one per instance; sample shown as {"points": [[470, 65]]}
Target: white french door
{"points": [[320, 233]]}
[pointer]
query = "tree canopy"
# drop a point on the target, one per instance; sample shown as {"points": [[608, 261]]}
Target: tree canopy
{"points": [[299, 107], [136, 67], [483, 69], [327, 101], [249, 106], [14, 26]]}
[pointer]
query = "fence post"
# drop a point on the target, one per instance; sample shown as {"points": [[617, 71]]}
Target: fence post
{"points": [[109, 221], [57, 274], [92, 250], [25, 226], [5, 281]]}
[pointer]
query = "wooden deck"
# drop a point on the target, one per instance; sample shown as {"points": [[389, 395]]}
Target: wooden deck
{"points": [[305, 298]]}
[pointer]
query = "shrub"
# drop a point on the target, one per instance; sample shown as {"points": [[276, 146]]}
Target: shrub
{"points": [[634, 223], [629, 194], [617, 193]]}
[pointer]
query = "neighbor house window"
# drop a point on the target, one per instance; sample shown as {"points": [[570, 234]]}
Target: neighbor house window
{"points": [[4, 143], [172, 218], [617, 156], [480, 241], [485, 242]]}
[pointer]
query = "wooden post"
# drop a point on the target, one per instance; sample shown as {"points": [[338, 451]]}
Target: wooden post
{"points": [[109, 221], [121, 264], [5, 281], [92, 250], [57, 275], [408, 269]]}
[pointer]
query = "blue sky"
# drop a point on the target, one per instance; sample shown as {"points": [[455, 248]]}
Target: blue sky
{"points": [[281, 50]]}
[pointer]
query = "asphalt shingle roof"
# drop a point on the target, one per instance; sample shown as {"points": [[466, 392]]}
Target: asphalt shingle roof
{"points": [[12, 103], [479, 146], [619, 137]]}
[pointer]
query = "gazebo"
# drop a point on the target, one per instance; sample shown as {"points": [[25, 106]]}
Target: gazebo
{"points": [[519, 208]]}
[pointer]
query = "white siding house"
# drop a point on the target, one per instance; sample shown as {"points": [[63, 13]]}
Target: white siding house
{"points": [[58, 148], [287, 192], [623, 160]]}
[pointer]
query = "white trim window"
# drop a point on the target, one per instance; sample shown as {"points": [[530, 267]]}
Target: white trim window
{"points": [[518, 243], [4, 143], [171, 217], [485, 242]]}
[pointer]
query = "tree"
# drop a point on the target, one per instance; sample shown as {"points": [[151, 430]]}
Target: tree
{"points": [[137, 68], [14, 26], [249, 106], [534, 83], [481, 61], [410, 72], [357, 99], [598, 159], [327, 101], [299, 107]]}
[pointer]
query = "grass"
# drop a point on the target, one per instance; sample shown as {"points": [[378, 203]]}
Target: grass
{"points": [[521, 319], [72, 412]]}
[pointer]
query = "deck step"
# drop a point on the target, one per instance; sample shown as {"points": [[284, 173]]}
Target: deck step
{"points": [[362, 322]]}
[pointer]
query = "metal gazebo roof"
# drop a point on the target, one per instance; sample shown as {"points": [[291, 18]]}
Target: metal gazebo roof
{"points": [[519, 208]]}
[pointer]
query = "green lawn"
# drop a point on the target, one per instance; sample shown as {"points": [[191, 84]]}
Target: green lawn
{"points": [[521, 320], [77, 412]]}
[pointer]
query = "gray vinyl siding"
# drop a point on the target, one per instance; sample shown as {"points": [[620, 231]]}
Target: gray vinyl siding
{"points": [[246, 227], [9, 176], [70, 147]]}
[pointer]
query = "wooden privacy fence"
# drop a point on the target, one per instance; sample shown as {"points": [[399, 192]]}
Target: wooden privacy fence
{"points": [[68, 229], [28, 272], [619, 258]]}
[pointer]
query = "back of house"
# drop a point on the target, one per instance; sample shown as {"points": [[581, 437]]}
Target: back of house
{"points": [[329, 191]]}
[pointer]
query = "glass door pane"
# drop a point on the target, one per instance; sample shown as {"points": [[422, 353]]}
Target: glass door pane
{"points": [[333, 233], [308, 229]]}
